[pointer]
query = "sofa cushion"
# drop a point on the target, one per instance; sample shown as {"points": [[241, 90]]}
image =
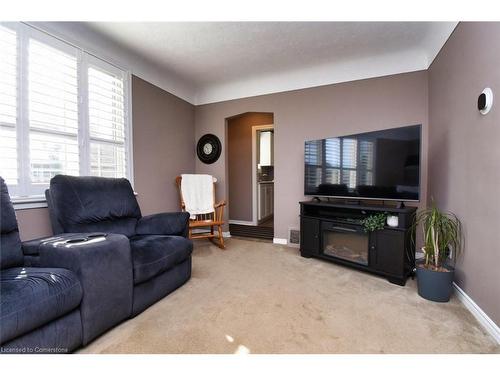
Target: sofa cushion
{"points": [[94, 204], [32, 297], [11, 254], [152, 255]]}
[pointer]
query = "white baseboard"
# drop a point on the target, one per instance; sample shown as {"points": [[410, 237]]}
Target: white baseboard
{"points": [[483, 319], [226, 234], [280, 241], [242, 222]]}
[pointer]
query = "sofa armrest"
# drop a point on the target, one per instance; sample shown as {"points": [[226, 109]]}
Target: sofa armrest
{"points": [[167, 223], [103, 264]]}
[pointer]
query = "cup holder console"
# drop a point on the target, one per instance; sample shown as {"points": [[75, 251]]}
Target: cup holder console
{"points": [[84, 238]]}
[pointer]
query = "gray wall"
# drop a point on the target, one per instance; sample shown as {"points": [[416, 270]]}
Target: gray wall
{"points": [[34, 223], [163, 146], [464, 169], [314, 113], [239, 162]]}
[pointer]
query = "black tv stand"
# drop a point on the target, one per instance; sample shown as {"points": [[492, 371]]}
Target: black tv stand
{"points": [[333, 231], [353, 202]]}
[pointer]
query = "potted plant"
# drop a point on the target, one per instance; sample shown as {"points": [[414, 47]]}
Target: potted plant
{"points": [[442, 236]]}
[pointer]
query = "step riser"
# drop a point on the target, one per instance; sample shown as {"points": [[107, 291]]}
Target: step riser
{"points": [[251, 231]]}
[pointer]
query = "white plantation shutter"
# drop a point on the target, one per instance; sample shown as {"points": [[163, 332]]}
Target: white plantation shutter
{"points": [[106, 102], [62, 111], [53, 112], [8, 107]]}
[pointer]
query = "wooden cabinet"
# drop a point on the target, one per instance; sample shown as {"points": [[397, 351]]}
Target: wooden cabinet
{"points": [[265, 200]]}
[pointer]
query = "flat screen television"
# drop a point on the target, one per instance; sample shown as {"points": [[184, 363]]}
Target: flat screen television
{"points": [[382, 165]]}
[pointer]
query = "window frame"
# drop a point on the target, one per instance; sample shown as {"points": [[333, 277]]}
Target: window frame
{"points": [[23, 194], [27, 188]]}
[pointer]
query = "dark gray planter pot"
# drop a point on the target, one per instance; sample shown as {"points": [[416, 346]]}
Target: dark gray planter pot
{"points": [[433, 285]]}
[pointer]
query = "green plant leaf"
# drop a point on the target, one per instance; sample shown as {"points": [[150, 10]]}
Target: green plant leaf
{"points": [[442, 234], [374, 222]]}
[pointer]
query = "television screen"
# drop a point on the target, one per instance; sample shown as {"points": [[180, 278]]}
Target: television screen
{"points": [[381, 165]]}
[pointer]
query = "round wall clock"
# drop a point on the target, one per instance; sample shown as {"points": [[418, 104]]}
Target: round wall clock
{"points": [[208, 148]]}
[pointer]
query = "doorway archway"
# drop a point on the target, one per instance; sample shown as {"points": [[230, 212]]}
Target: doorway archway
{"points": [[250, 186]]}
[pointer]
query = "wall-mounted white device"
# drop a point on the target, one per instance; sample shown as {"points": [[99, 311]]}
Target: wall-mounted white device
{"points": [[485, 101]]}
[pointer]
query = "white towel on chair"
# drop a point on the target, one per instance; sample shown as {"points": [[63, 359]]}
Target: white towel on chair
{"points": [[198, 193]]}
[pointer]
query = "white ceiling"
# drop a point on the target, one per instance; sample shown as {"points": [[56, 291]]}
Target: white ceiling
{"points": [[229, 60]]}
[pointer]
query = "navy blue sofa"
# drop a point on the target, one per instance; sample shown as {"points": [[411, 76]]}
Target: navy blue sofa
{"points": [[160, 249], [77, 287], [39, 307]]}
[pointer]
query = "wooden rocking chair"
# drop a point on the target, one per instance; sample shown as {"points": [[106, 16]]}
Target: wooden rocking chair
{"points": [[211, 220]]}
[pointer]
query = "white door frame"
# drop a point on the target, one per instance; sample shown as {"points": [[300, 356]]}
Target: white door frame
{"points": [[254, 168]]}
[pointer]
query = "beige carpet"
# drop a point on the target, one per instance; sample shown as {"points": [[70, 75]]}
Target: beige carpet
{"points": [[256, 297]]}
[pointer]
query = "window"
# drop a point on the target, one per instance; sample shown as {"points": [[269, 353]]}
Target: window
{"points": [[52, 113], [8, 106], [265, 147], [107, 123], [62, 111]]}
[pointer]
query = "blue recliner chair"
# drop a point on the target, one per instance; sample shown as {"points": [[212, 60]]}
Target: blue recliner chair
{"points": [[76, 287], [160, 249]]}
